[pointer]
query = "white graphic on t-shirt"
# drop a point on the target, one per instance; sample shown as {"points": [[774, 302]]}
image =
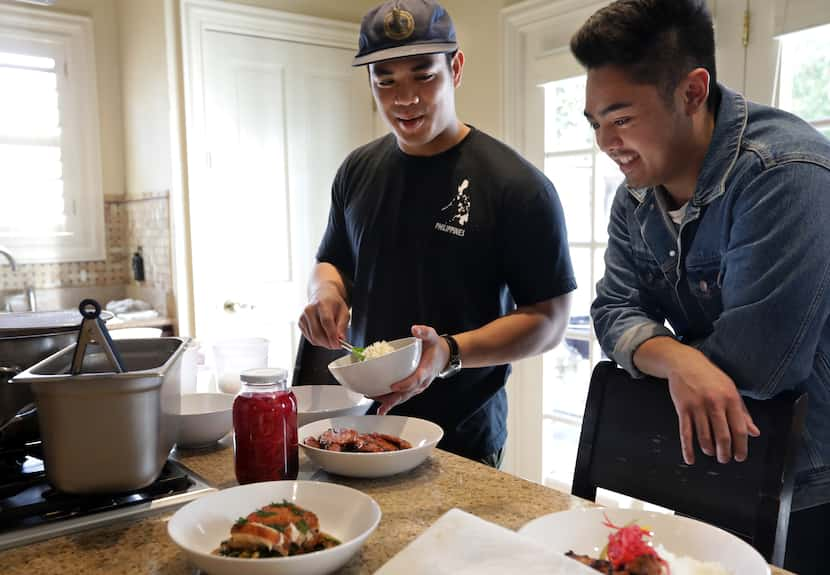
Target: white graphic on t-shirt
{"points": [[461, 204]]}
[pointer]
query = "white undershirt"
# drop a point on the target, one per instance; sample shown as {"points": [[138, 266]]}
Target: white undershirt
{"points": [[678, 214]]}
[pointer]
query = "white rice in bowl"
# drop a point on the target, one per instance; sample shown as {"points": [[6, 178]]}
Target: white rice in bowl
{"points": [[377, 349], [688, 566]]}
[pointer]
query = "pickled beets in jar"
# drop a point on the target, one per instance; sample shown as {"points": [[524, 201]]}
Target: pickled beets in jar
{"points": [[265, 427]]}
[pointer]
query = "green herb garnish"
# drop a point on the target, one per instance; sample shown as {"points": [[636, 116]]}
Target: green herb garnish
{"points": [[302, 526]]}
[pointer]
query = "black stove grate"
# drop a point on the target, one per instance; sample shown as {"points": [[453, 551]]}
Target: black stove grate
{"points": [[27, 499]]}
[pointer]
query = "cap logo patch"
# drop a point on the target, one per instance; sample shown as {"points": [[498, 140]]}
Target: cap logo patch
{"points": [[398, 24]]}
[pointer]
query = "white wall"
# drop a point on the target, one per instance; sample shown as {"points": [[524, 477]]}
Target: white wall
{"points": [[477, 26], [349, 10], [146, 104], [480, 96]]}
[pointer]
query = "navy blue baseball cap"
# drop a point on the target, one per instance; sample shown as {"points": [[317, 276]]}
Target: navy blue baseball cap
{"points": [[401, 28]]}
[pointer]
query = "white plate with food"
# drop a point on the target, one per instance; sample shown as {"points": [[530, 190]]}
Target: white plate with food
{"points": [[689, 547], [315, 402], [371, 371], [369, 445], [275, 528]]}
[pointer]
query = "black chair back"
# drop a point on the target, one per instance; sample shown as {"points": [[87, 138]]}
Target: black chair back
{"points": [[630, 444], [311, 365]]}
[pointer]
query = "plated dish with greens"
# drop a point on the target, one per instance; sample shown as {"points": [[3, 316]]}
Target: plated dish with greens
{"points": [[276, 530]]}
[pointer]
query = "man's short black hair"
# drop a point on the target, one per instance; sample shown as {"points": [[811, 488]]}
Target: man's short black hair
{"points": [[655, 42]]}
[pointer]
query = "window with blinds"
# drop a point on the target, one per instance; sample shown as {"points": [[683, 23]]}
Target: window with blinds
{"points": [[51, 202], [31, 171]]}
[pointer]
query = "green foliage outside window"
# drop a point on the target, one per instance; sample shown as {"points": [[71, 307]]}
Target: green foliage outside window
{"points": [[808, 55]]}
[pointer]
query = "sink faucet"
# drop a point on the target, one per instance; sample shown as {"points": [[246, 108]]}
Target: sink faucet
{"points": [[31, 299], [29, 291], [8, 254]]}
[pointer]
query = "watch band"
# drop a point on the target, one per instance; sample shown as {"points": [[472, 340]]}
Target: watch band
{"points": [[454, 364]]}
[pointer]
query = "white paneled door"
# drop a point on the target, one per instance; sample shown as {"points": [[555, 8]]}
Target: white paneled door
{"points": [[275, 119]]}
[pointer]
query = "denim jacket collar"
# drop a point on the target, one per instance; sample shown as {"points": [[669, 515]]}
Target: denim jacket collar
{"points": [[726, 143]]}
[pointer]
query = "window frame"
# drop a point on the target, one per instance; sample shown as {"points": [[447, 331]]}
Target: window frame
{"points": [[556, 475], [68, 39]]}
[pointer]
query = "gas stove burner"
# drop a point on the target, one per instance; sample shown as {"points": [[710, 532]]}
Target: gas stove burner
{"points": [[18, 468], [31, 509], [35, 501]]}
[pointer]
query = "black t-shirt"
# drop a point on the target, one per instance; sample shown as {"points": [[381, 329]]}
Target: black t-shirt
{"points": [[449, 241]]}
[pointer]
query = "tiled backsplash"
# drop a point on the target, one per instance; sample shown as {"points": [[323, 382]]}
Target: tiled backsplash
{"points": [[148, 225], [130, 222]]}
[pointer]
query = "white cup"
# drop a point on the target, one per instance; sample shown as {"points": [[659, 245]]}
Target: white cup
{"points": [[233, 356]]}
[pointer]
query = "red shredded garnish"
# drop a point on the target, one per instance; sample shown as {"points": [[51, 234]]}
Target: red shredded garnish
{"points": [[628, 543]]}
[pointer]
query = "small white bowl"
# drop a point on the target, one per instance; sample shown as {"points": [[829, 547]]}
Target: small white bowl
{"points": [[204, 418], [582, 531], [315, 402], [345, 513], [374, 377], [422, 434]]}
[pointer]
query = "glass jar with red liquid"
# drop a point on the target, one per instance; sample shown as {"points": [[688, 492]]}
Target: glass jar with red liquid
{"points": [[265, 427]]}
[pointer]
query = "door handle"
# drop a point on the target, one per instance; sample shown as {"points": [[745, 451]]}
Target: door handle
{"points": [[235, 306]]}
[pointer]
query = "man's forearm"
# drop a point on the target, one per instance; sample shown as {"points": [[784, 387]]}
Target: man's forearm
{"points": [[662, 356], [326, 276], [527, 331]]}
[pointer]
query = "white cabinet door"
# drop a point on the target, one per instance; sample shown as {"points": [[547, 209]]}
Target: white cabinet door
{"points": [[278, 118]]}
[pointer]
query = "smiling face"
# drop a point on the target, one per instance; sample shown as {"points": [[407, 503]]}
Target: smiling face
{"points": [[417, 99], [649, 138]]}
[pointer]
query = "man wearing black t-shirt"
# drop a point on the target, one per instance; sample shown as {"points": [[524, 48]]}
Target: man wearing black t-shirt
{"points": [[435, 229]]}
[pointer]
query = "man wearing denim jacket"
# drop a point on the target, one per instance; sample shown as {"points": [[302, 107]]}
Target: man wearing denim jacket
{"points": [[721, 229]]}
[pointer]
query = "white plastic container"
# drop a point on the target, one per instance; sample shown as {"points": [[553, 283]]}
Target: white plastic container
{"points": [[233, 356], [190, 368]]}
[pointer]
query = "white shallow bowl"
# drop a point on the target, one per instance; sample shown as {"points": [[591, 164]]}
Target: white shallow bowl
{"points": [[345, 513], [423, 435], [204, 418], [582, 531], [315, 402], [374, 377]]}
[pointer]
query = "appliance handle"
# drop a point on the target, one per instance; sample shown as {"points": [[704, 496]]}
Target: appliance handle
{"points": [[93, 329]]}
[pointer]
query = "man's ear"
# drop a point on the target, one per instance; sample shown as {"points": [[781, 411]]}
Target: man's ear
{"points": [[695, 91], [457, 68]]}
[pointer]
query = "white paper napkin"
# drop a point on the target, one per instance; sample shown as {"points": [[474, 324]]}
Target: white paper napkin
{"points": [[459, 543]]}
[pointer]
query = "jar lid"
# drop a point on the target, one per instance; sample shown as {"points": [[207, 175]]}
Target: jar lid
{"points": [[264, 375]]}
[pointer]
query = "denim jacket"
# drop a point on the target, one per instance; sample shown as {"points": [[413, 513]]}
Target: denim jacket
{"points": [[745, 278]]}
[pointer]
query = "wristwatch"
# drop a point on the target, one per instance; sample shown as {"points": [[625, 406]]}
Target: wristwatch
{"points": [[454, 365]]}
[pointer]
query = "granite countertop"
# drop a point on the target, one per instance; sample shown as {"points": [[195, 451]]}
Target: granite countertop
{"points": [[441, 483]]}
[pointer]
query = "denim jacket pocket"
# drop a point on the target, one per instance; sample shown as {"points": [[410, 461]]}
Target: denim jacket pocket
{"points": [[705, 285], [655, 288]]}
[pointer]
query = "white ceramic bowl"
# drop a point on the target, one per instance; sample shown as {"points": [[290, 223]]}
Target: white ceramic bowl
{"points": [[204, 418], [345, 513], [135, 332], [582, 531], [423, 435], [374, 377], [315, 402]]}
